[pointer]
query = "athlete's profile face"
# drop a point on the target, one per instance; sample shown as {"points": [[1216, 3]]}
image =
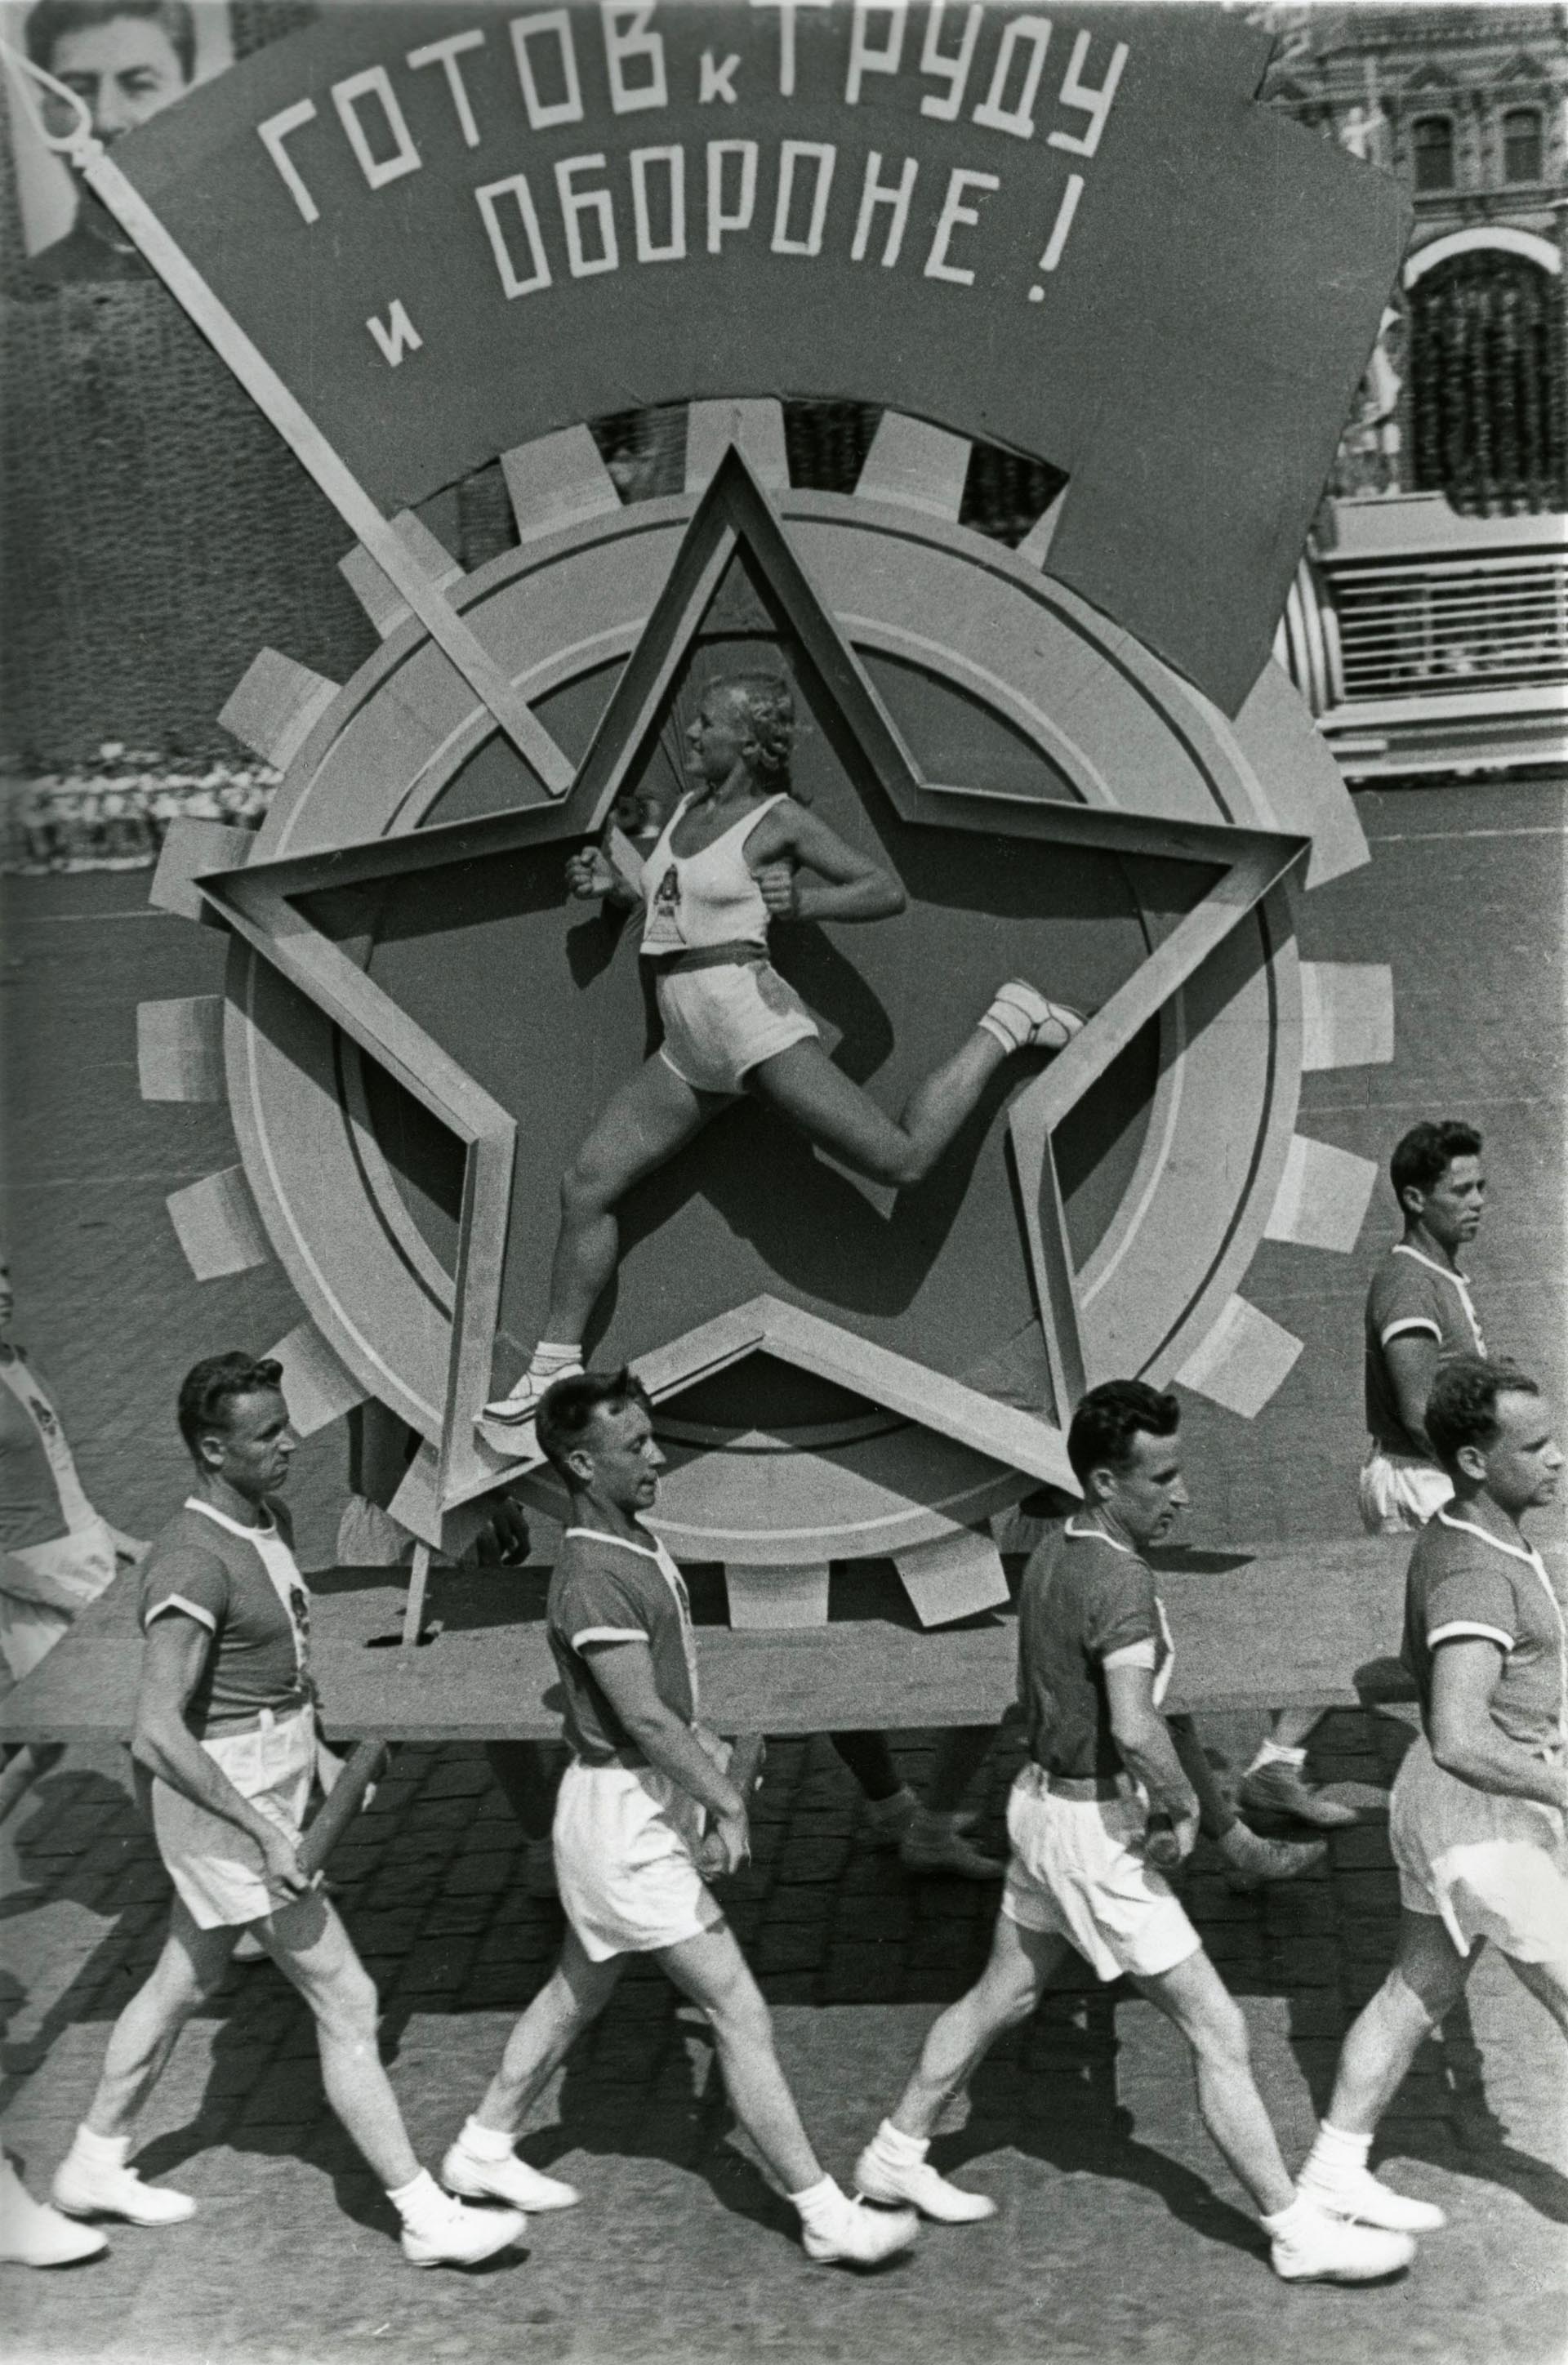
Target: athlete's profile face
{"points": [[1524, 1461], [1452, 1210], [254, 1452], [620, 1458], [124, 73], [1148, 1494], [717, 739]]}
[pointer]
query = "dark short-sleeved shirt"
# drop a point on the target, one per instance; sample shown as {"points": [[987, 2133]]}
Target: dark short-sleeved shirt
{"points": [[1463, 1583], [243, 1585], [605, 1589], [1086, 1602], [40, 1496], [1410, 1295]]}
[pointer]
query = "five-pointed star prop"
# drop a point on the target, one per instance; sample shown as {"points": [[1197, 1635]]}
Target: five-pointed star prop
{"points": [[262, 904]]}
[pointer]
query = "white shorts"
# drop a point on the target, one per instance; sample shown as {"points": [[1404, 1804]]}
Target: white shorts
{"points": [[721, 1022], [624, 1839], [215, 1865], [1486, 1866], [1399, 1493], [1077, 1867]]}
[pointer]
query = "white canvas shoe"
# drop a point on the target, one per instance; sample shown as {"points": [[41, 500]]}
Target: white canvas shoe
{"points": [[1309, 2244], [850, 2236], [448, 2233], [510, 2180], [1032, 1019], [91, 2189], [515, 1412], [919, 2186], [1357, 2192], [32, 2235]]}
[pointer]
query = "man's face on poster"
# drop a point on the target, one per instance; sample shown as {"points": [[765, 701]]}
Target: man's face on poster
{"points": [[124, 72]]}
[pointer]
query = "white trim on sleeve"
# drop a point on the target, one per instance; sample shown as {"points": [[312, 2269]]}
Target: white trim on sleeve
{"points": [[1134, 1654], [178, 1601], [610, 1634], [1456, 1626], [1410, 1322]]}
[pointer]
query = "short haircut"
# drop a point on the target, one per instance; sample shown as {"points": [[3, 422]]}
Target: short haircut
{"points": [[1108, 1419], [210, 1387], [51, 20], [768, 705], [1427, 1152], [567, 1407], [1463, 1408]]}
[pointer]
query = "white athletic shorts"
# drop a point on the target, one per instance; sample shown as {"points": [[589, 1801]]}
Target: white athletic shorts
{"points": [[1399, 1493], [1077, 1867], [216, 1867], [624, 1840], [1487, 1866], [721, 1022]]}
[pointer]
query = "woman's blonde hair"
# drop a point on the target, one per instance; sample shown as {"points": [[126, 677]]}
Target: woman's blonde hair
{"points": [[768, 706]]}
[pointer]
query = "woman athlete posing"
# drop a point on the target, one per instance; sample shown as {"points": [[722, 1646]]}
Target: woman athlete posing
{"points": [[729, 862]]}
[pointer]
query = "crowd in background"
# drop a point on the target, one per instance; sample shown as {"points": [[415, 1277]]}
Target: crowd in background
{"points": [[112, 813]]}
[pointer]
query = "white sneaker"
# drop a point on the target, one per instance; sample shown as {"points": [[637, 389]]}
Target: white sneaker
{"points": [[31, 2234], [1356, 2192], [855, 2237], [504, 2179], [1309, 2244], [450, 2235], [1041, 1024], [517, 1410], [88, 2188], [918, 2185]]}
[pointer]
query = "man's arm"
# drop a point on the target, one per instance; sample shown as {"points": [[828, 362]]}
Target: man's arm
{"points": [[1147, 1751], [172, 1665], [1412, 1360], [1465, 1741], [624, 1671]]}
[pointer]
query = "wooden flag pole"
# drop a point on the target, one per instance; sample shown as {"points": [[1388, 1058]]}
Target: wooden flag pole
{"points": [[88, 156]]}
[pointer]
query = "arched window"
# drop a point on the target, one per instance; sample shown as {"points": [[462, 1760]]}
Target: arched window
{"points": [[1485, 384], [1431, 139], [1522, 158]]}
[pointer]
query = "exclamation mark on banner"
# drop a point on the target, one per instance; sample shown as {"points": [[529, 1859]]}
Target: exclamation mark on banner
{"points": [[1060, 229]]}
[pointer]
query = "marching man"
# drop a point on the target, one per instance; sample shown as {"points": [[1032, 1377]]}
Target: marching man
{"points": [[629, 1849], [1476, 1820], [1100, 1805], [226, 1730]]}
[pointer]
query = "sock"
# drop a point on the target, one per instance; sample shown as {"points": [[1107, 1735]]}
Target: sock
{"points": [[552, 1356], [101, 2151], [819, 2203], [1281, 2219], [485, 2143], [1274, 1752], [418, 2200], [900, 2150], [1336, 2151]]}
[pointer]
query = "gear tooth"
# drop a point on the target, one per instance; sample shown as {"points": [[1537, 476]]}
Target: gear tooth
{"points": [[761, 1598], [274, 710], [1243, 1362], [1302, 784], [956, 1576], [1034, 548], [217, 1224], [556, 481], [1323, 1196], [1347, 1014], [381, 602], [190, 849], [757, 427], [179, 1048], [317, 1387], [916, 467]]}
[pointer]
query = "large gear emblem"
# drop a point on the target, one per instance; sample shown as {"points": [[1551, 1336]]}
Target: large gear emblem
{"points": [[415, 1031]]}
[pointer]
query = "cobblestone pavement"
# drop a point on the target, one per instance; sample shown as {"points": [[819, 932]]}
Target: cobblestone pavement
{"points": [[1120, 2234]]}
